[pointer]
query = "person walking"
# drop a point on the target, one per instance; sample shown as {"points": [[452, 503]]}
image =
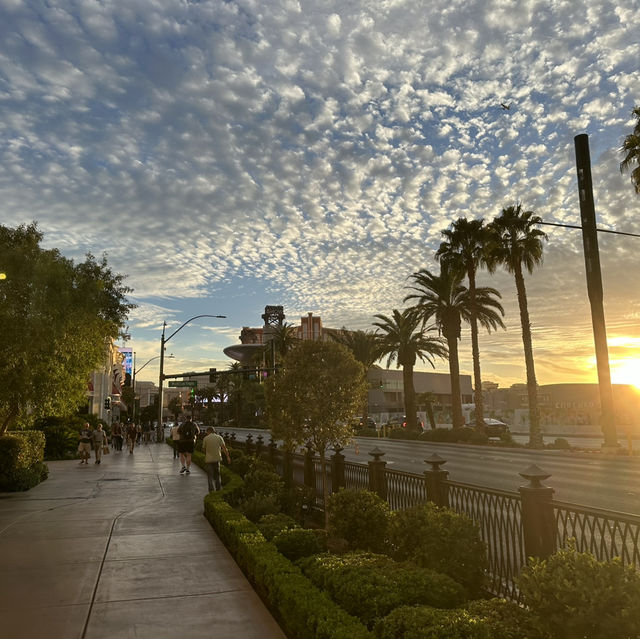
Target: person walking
{"points": [[84, 445], [175, 438], [188, 433], [116, 436], [213, 446], [99, 441], [132, 435]]}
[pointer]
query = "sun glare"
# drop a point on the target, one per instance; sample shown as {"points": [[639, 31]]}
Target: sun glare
{"points": [[626, 371]]}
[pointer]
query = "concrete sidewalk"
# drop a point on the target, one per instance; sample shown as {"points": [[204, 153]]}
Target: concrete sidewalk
{"points": [[121, 549]]}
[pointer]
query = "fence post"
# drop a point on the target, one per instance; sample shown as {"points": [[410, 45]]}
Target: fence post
{"points": [[259, 445], [309, 467], [273, 447], [538, 522], [248, 444], [337, 469], [377, 475], [437, 490], [287, 467]]}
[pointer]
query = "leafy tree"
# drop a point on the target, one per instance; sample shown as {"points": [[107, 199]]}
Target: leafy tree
{"points": [[631, 150], [464, 251], [55, 317], [404, 340], [312, 399], [175, 407], [365, 347], [445, 300], [517, 245]]}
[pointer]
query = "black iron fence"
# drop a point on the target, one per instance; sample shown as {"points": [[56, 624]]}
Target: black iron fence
{"points": [[513, 525]]}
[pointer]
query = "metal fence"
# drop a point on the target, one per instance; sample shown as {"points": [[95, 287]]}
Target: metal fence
{"points": [[513, 525]]}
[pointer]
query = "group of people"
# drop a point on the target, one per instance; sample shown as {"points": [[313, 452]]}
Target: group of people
{"points": [[184, 438]]}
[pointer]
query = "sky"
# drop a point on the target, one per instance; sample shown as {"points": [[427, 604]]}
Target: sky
{"points": [[226, 155]]}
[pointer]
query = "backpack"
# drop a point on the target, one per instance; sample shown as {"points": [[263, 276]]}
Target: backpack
{"points": [[187, 431]]}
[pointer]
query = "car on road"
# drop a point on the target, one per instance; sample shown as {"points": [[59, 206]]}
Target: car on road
{"points": [[492, 427], [359, 423]]}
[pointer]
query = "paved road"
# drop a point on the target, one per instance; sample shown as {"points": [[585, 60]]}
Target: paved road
{"points": [[586, 478]]}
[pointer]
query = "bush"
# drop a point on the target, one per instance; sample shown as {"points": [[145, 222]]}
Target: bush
{"points": [[257, 506], [298, 502], [360, 517], [297, 543], [560, 443], [240, 463], [367, 432], [490, 619], [370, 586], [403, 433], [439, 435], [442, 540], [575, 596], [271, 525], [478, 438], [21, 460]]}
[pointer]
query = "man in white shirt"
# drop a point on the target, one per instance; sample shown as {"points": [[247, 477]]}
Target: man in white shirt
{"points": [[213, 446]]}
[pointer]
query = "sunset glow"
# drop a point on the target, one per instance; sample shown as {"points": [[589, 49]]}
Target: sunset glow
{"points": [[626, 371]]}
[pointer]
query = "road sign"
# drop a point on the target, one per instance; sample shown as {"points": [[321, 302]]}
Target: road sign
{"points": [[183, 383]]}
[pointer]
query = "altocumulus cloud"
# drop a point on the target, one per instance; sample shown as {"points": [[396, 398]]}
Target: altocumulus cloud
{"points": [[319, 147]]}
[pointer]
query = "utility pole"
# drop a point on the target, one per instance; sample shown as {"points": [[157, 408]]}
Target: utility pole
{"points": [[594, 288]]}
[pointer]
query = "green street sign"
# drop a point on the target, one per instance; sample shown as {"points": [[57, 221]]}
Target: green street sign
{"points": [[183, 383]]}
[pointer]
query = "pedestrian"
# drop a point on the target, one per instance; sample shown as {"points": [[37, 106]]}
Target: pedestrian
{"points": [[99, 441], [132, 435], [188, 433], [116, 436], [84, 445], [175, 438], [213, 446]]}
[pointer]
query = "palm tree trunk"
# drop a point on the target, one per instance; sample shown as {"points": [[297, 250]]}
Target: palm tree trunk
{"points": [[409, 397], [475, 349], [535, 435], [454, 373]]}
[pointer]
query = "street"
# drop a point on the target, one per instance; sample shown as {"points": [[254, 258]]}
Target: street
{"points": [[586, 478]]}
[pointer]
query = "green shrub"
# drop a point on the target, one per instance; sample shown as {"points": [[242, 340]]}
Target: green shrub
{"points": [[575, 596], [303, 611], [298, 501], [360, 517], [560, 443], [439, 435], [370, 586], [61, 435], [442, 540], [21, 460], [240, 463], [297, 543], [367, 432], [478, 438], [403, 433], [490, 619], [271, 525], [257, 506]]}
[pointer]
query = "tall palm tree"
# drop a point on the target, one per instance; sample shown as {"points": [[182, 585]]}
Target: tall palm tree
{"points": [[517, 245], [445, 300], [631, 149], [464, 251], [404, 340], [365, 347], [283, 338]]}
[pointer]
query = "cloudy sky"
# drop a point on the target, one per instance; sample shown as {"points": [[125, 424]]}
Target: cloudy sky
{"points": [[232, 154]]}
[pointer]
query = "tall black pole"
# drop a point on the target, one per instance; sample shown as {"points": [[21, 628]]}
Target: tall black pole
{"points": [[159, 427], [594, 287]]}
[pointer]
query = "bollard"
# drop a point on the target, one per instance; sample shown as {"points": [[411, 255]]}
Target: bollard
{"points": [[538, 521], [248, 444], [272, 451], [259, 445]]}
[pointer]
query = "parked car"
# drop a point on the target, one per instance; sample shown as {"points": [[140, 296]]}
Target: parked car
{"points": [[419, 422], [492, 427], [359, 423]]}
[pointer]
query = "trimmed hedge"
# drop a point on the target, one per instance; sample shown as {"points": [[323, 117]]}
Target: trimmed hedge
{"points": [[370, 586], [21, 460], [490, 619], [302, 610]]}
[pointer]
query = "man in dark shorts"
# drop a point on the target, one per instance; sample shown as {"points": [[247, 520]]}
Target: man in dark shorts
{"points": [[188, 433]]}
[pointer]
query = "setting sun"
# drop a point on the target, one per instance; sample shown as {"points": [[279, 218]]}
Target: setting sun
{"points": [[626, 371]]}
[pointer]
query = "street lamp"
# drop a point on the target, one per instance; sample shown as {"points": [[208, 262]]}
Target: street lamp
{"points": [[163, 341], [133, 379]]}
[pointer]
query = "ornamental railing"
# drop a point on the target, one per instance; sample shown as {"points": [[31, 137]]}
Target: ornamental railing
{"points": [[514, 526]]}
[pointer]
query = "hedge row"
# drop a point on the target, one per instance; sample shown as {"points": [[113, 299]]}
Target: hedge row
{"points": [[21, 460], [302, 609]]}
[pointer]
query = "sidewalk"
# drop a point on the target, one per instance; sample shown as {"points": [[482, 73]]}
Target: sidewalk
{"points": [[121, 549]]}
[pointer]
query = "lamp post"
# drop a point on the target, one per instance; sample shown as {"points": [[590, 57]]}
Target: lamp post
{"points": [[133, 379], [163, 341]]}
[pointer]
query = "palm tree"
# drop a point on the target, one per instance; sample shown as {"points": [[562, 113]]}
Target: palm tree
{"points": [[464, 251], [517, 245], [631, 149], [365, 348], [283, 338], [404, 339], [445, 300]]}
